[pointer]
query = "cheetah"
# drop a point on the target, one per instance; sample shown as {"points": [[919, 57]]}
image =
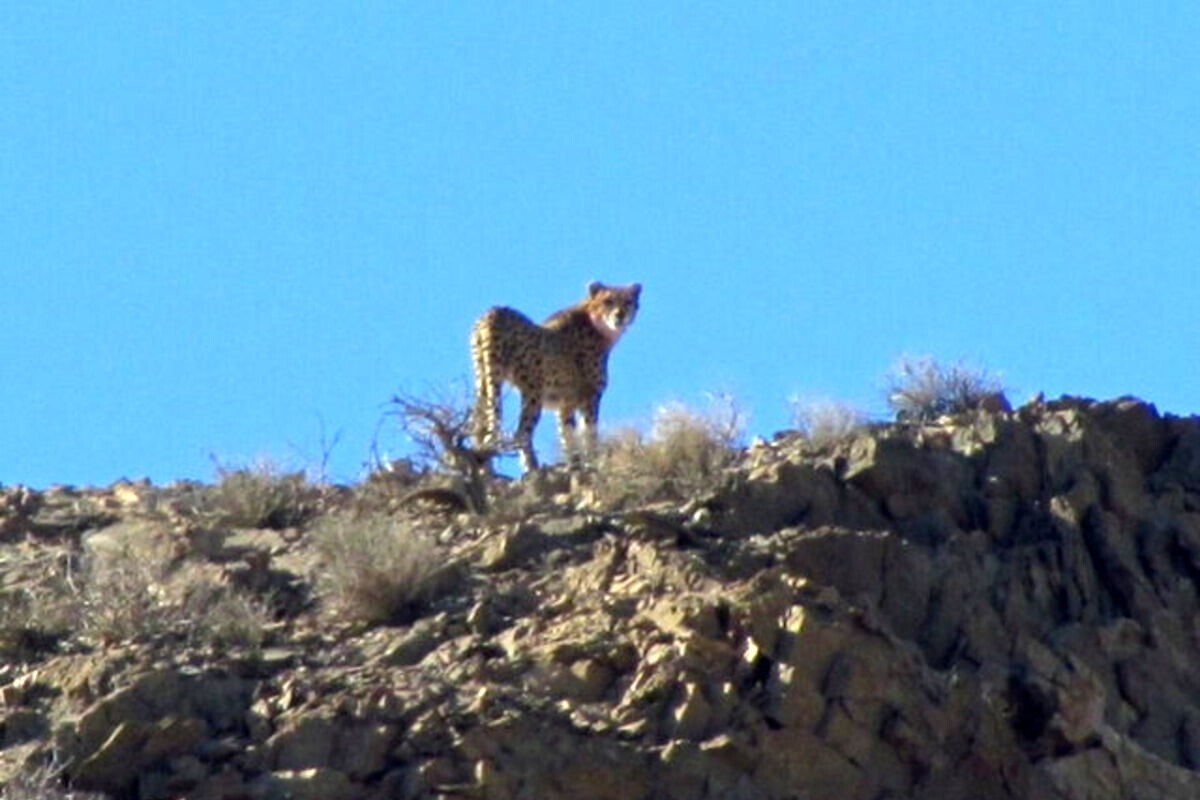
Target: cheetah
{"points": [[561, 364]]}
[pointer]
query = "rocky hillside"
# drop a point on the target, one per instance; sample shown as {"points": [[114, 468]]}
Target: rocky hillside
{"points": [[998, 605]]}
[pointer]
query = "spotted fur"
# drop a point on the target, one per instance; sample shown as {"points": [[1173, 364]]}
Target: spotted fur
{"points": [[561, 364]]}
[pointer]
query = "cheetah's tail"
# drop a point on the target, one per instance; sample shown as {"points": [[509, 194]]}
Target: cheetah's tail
{"points": [[486, 414]]}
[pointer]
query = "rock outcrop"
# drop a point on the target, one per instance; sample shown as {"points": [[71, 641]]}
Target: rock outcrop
{"points": [[1001, 605]]}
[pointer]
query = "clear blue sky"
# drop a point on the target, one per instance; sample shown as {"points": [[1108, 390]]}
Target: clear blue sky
{"points": [[224, 223]]}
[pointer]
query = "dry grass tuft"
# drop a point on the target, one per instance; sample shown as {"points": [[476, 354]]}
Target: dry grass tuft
{"points": [[378, 570], [260, 496], [220, 616], [825, 422], [686, 454]]}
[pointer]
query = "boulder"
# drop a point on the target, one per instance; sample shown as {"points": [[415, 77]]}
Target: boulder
{"points": [[317, 783]]}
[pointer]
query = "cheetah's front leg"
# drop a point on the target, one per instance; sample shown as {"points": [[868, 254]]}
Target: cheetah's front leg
{"points": [[567, 437], [591, 418]]}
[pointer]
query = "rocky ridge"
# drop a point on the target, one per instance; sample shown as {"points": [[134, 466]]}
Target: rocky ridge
{"points": [[997, 605]]}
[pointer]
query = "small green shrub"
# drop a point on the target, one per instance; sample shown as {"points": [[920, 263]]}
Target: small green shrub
{"points": [[921, 389], [826, 421], [378, 570]]}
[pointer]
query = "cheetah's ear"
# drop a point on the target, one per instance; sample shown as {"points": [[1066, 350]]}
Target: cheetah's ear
{"points": [[594, 287], [636, 289]]}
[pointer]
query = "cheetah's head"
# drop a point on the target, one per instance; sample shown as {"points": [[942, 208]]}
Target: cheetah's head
{"points": [[613, 308]]}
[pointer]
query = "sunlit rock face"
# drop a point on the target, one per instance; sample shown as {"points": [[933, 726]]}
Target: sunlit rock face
{"points": [[998, 604]]}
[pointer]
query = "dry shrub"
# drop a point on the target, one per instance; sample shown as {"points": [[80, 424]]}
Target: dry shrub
{"points": [[121, 585], [437, 427], [38, 608], [128, 584], [260, 496], [921, 389], [43, 783], [686, 454], [377, 569], [133, 587], [824, 422]]}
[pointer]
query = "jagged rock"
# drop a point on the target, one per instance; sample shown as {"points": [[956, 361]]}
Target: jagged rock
{"points": [[1000, 605], [160, 715], [357, 749], [781, 494], [317, 783], [20, 725], [363, 750], [173, 736], [877, 568], [512, 547], [187, 771], [1182, 466], [61, 512], [302, 743], [414, 644], [1120, 769], [113, 765], [224, 784]]}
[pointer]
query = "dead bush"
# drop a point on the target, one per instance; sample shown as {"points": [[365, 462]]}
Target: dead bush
{"points": [[377, 569], [436, 425], [437, 428], [921, 389]]}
